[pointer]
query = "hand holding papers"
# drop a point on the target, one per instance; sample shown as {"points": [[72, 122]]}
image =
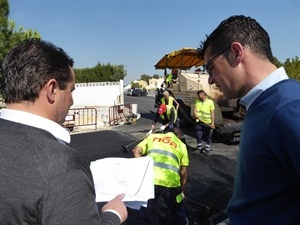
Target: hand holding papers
{"points": [[134, 177]]}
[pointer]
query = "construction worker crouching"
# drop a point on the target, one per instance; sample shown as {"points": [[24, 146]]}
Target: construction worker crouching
{"points": [[204, 113], [169, 100], [167, 115], [170, 158]]}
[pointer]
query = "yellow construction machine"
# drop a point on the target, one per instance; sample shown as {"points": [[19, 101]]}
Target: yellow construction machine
{"points": [[184, 86]]}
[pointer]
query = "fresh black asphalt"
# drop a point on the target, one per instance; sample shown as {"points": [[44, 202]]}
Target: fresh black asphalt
{"points": [[210, 178]]}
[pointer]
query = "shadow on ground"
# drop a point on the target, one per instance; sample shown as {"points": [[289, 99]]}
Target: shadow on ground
{"points": [[149, 115]]}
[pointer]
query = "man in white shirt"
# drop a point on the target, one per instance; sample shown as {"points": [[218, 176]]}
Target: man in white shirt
{"points": [[42, 179]]}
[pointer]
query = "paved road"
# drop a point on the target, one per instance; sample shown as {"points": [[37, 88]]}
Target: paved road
{"points": [[210, 178], [146, 110]]}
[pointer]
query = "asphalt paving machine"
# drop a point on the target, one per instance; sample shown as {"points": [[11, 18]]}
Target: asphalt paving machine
{"points": [[184, 86]]}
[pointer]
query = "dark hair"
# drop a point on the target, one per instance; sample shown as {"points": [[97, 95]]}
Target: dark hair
{"points": [[29, 66], [242, 29], [200, 91]]}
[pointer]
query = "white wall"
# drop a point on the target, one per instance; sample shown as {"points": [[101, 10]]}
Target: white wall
{"points": [[98, 94]]}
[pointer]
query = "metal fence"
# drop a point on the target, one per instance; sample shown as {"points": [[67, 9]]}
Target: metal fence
{"points": [[81, 117], [119, 113]]}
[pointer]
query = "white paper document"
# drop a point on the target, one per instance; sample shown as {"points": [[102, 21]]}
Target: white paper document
{"points": [[133, 176]]}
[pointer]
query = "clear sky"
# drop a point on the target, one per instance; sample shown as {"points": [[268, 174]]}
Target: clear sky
{"points": [[137, 33]]}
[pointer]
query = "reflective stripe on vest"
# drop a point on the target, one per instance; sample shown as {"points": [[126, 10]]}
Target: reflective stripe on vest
{"points": [[166, 166], [203, 110], [168, 152], [165, 153]]}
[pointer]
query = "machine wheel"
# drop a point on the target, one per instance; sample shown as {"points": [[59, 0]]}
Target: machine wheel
{"points": [[224, 135], [183, 121]]}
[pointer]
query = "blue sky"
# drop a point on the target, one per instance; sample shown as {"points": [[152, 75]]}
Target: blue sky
{"points": [[137, 33]]}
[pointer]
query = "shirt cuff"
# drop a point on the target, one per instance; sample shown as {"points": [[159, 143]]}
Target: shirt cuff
{"points": [[114, 212]]}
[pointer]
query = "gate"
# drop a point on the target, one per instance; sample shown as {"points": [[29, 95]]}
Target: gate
{"points": [[119, 113], [81, 117]]}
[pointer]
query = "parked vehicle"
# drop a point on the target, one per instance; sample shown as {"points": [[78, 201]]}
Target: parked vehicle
{"points": [[139, 92], [129, 92]]}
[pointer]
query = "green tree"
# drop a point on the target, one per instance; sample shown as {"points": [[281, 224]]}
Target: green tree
{"points": [[145, 77], [135, 85], [292, 67], [5, 33], [156, 76], [277, 62], [118, 73], [100, 73], [9, 34]]}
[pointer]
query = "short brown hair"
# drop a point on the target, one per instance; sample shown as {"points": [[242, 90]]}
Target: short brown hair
{"points": [[29, 66]]}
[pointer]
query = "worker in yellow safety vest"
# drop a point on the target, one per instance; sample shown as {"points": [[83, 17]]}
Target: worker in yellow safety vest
{"points": [[204, 113], [169, 100], [170, 175], [169, 77], [167, 115]]}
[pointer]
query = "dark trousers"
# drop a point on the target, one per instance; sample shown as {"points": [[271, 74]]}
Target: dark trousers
{"points": [[171, 127], [178, 214], [203, 132]]}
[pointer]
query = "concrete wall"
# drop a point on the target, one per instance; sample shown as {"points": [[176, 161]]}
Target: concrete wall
{"points": [[98, 94]]}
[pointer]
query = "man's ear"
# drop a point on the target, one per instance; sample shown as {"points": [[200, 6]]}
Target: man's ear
{"points": [[51, 88], [236, 53]]}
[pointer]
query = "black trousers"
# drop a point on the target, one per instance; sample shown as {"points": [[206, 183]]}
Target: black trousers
{"points": [[177, 210]]}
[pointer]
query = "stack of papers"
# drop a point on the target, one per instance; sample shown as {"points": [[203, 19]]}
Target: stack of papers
{"points": [[134, 177]]}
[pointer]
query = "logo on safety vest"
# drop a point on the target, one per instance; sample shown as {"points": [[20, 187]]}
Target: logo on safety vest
{"points": [[165, 140]]}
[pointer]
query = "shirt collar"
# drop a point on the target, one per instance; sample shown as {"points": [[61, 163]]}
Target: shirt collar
{"points": [[200, 100], [273, 78], [36, 121]]}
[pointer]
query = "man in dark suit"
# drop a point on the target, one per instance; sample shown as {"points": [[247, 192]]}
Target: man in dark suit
{"points": [[42, 179]]}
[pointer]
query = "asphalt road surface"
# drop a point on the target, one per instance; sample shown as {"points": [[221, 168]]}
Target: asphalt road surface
{"points": [[210, 178]]}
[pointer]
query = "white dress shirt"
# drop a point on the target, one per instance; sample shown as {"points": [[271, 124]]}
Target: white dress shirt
{"points": [[36, 121], [275, 77]]}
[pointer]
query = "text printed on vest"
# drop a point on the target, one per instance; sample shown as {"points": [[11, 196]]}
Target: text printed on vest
{"points": [[166, 140]]}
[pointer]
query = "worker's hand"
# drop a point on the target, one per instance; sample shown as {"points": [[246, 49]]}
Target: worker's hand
{"points": [[149, 132], [163, 127], [118, 206]]}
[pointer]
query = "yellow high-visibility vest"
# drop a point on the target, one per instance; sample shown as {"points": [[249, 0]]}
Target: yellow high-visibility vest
{"points": [[169, 78], [204, 110], [170, 102], [168, 154], [169, 113]]}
